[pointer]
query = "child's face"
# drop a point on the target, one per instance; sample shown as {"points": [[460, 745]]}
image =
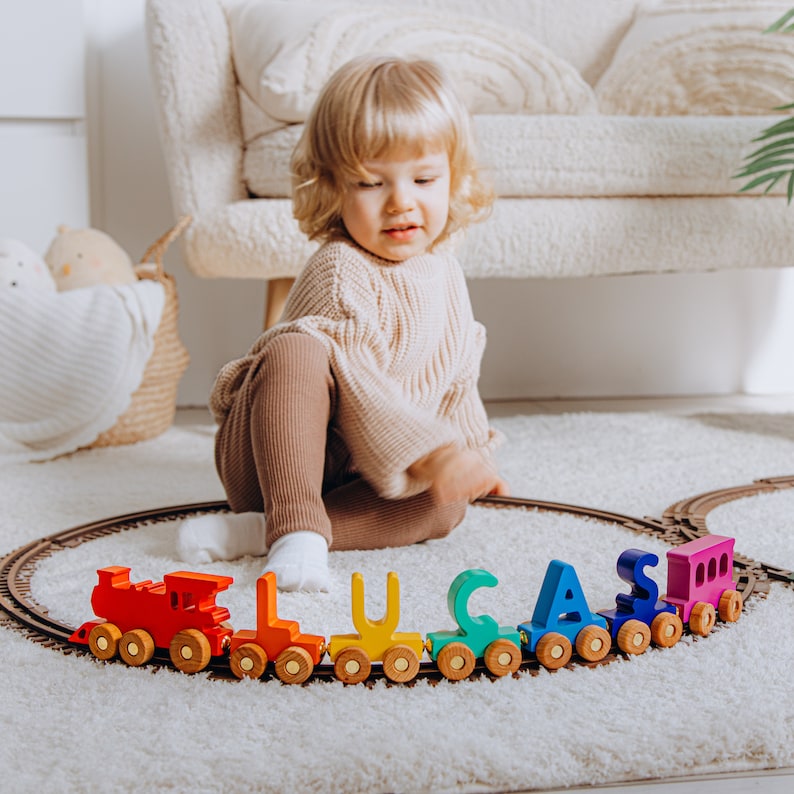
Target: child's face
{"points": [[402, 207]]}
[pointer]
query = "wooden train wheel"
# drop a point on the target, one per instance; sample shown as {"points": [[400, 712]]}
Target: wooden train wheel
{"points": [[294, 665], [248, 660], [634, 637], [730, 606], [136, 647], [456, 661], [666, 629], [104, 640], [190, 651], [352, 665], [593, 643], [702, 618], [400, 664], [502, 657], [553, 650]]}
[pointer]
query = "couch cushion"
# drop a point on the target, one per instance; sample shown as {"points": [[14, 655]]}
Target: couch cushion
{"points": [[284, 53], [585, 33], [547, 238], [574, 155], [705, 58]]}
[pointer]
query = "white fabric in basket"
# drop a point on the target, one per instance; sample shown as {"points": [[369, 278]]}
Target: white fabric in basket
{"points": [[70, 363]]}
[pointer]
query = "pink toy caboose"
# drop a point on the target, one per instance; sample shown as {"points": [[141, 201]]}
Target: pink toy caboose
{"points": [[699, 571]]}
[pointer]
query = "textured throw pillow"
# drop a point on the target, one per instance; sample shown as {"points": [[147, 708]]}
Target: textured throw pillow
{"points": [[285, 52], [700, 58]]}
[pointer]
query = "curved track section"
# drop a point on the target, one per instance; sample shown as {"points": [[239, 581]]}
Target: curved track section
{"points": [[690, 517]]}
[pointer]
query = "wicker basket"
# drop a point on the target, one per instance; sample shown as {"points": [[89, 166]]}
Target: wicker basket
{"points": [[151, 411]]}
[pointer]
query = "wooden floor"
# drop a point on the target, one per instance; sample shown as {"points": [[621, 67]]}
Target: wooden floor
{"points": [[739, 403], [773, 781], [735, 403]]}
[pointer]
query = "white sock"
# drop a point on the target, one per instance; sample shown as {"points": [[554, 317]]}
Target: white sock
{"points": [[300, 562], [221, 536]]}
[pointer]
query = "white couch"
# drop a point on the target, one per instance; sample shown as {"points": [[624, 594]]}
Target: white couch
{"points": [[611, 128]]}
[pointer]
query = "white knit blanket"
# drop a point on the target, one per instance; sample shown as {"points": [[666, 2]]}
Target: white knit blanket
{"points": [[69, 364]]}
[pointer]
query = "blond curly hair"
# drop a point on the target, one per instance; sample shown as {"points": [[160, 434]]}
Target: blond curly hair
{"points": [[371, 107]]}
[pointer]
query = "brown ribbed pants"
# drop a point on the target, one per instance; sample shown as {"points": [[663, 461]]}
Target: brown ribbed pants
{"points": [[278, 452]]}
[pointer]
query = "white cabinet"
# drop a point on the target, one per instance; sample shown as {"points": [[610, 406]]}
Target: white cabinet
{"points": [[43, 152]]}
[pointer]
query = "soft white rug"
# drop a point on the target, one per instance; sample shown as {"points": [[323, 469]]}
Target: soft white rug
{"points": [[723, 703]]}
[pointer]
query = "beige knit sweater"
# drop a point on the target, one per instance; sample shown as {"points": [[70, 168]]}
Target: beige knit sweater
{"points": [[405, 352]]}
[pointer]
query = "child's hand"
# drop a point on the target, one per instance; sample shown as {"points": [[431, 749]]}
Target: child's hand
{"points": [[457, 474]]}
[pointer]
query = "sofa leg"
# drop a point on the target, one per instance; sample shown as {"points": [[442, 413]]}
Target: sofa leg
{"points": [[277, 291]]}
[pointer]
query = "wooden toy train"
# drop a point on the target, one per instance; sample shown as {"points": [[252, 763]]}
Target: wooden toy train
{"points": [[180, 614]]}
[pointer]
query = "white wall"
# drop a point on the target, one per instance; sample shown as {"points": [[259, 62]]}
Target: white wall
{"points": [[43, 158], [672, 334]]}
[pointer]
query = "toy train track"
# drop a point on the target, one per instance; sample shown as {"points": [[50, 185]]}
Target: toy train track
{"points": [[689, 517], [682, 522]]}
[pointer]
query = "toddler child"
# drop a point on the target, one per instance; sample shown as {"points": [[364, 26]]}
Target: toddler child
{"points": [[355, 422]]}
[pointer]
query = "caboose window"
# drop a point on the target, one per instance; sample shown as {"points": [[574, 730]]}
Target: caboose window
{"points": [[723, 565], [712, 569], [700, 574]]}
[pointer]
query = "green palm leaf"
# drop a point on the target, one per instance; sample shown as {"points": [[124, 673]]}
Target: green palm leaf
{"points": [[772, 178], [765, 166], [782, 25], [770, 163]]}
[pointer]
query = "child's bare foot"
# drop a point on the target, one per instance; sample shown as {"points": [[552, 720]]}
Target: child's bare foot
{"points": [[300, 562], [221, 536]]}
